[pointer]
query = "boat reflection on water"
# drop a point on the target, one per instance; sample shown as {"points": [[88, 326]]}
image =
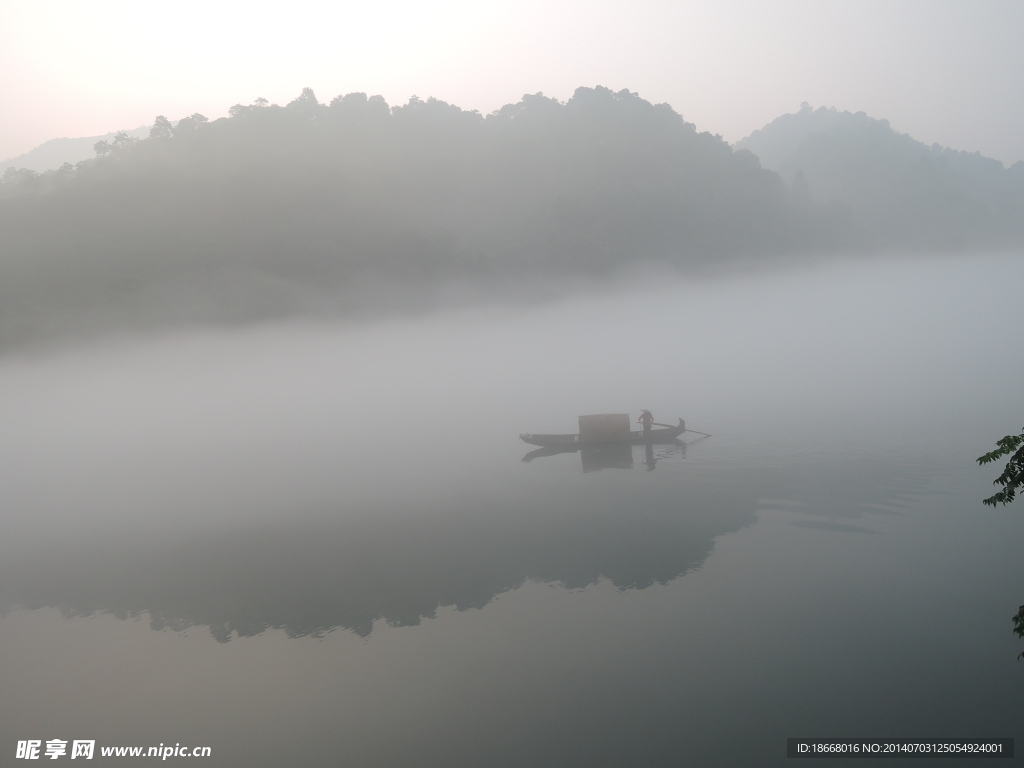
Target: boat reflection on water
{"points": [[616, 455]]}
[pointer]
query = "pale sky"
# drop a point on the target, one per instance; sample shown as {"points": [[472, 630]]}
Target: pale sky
{"points": [[946, 72]]}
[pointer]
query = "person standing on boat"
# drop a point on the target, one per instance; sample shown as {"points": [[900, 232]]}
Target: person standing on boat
{"points": [[646, 418]]}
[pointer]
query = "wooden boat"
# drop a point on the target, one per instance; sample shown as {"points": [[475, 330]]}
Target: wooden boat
{"points": [[570, 442]]}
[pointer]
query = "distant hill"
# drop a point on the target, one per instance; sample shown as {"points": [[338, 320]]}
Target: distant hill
{"points": [[277, 209], [52, 154], [327, 208], [900, 192]]}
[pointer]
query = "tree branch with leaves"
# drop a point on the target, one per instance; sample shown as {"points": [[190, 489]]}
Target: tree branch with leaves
{"points": [[1013, 474], [1011, 480]]}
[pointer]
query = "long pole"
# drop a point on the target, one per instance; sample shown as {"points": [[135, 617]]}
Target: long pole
{"points": [[672, 426]]}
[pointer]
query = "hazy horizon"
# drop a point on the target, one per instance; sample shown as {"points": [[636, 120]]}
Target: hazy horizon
{"points": [[942, 72]]}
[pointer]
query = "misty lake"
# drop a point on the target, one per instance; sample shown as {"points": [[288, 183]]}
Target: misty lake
{"points": [[320, 544]]}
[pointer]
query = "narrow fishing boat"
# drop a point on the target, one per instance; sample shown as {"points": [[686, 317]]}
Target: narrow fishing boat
{"points": [[604, 428]]}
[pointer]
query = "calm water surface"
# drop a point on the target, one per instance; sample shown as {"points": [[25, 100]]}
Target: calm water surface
{"points": [[322, 545]]}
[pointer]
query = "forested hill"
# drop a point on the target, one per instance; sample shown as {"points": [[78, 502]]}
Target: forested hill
{"points": [[900, 192], [276, 209], [602, 178]]}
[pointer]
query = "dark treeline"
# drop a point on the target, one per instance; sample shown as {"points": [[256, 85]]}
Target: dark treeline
{"points": [[325, 207]]}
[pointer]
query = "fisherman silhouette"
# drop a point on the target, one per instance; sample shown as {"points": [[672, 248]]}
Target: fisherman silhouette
{"points": [[646, 418]]}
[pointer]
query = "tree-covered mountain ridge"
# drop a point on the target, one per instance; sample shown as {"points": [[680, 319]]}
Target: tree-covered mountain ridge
{"points": [[52, 154], [897, 187], [279, 209]]}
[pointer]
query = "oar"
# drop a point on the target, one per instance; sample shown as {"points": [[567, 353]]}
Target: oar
{"points": [[673, 426]]}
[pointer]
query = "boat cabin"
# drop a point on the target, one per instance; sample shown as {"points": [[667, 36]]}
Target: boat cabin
{"points": [[604, 427]]}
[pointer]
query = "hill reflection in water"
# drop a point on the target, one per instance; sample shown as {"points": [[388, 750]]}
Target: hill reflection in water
{"points": [[313, 576], [310, 576]]}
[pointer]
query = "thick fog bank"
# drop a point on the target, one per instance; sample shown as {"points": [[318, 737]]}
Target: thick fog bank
{"points": [[317, 475], [355, 206], [203, 426]]}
